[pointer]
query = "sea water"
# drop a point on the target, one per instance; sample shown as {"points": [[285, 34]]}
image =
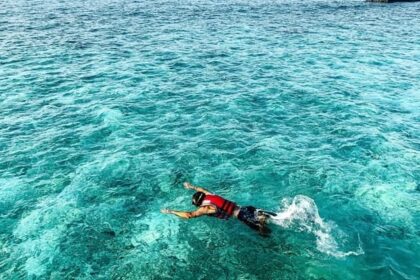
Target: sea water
{"points": [[309, 109]]}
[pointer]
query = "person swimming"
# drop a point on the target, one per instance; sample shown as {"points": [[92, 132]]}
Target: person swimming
{"points": [[216, 206]]}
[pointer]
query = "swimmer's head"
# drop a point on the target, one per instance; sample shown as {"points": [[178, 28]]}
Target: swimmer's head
{"points": [[198, 198]]}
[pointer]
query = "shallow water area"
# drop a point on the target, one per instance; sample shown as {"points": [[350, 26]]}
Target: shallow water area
{"points": [[307, 109]]}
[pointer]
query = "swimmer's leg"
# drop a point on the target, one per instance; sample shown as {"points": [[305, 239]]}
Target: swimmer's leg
{"points": [[263, 217], [266, 213], [258, 226], [249, 215]]}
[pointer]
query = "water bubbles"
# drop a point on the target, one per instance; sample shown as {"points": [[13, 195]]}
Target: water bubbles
{"points": [[301, 213]]}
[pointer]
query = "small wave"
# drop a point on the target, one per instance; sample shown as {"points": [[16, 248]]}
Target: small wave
{"points": [[301, 213]]}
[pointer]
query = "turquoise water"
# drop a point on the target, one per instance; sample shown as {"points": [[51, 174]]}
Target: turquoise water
{"points": [[306, 108]]}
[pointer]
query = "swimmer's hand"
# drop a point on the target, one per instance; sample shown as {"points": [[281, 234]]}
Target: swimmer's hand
{"points": [[188, 186], [165, 211]]}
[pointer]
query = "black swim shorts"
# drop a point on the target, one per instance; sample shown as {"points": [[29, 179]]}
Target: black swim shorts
{"points": [[249, 216]]}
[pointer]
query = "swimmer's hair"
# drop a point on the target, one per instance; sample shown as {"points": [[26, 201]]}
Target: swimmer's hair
{"points": [[198, 198]]}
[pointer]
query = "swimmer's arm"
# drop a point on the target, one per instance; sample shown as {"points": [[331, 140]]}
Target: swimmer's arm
{"points": [[188, 215], [188, 186]]}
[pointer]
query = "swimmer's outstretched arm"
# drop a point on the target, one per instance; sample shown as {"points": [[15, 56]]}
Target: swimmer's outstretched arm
{"points": [[188, 215], [188, 186]]}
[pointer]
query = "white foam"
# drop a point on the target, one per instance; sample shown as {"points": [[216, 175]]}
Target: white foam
{"points": [[301, 213]]}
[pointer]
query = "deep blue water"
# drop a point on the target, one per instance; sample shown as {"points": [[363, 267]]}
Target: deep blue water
{"points": [[306, 108]]}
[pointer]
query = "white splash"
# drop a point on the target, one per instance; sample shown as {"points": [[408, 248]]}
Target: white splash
{"points": [[301, 213]]}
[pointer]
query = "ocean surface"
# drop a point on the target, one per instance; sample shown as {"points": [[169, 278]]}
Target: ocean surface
{"points": [[310, 109]]}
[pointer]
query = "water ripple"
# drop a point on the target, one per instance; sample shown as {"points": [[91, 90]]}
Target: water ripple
{"points": [[107, 107]]}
